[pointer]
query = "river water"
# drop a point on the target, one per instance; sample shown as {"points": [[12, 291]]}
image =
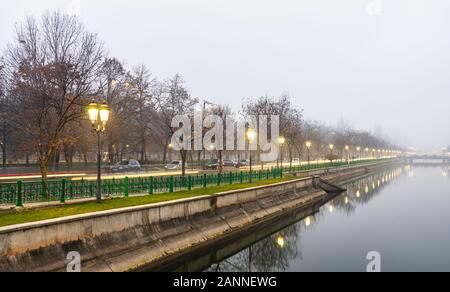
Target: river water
{"points": [[401, 214]]}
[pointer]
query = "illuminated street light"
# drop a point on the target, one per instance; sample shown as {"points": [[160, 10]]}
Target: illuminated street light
{"points": [[99, 117], [211, 149], [347, 148], [251, 135], [331, 152], [281, 142], [170, 146], [308, 147], [93, 111]]}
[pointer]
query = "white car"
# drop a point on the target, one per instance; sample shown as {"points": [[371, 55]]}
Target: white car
{"points": [[175, 165], [126, 166]]}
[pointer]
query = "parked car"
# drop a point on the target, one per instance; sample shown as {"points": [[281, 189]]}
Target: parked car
{"points": [[212, 164], [243, 163], [175, 165], [229, 163], [126, 166]]}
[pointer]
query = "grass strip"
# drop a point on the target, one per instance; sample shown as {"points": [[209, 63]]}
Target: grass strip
{"points": [[34, 215]]}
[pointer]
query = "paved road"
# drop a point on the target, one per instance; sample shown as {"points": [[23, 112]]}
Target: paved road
{"points": [[153, 171]]}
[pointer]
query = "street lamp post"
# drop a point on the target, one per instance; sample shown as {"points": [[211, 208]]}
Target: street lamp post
{"points": [[359, 152], [99, 117], [170, 152], [251, 135], [308, 146], [281, 142], [331, 153], [347, 148], [212, 147]]}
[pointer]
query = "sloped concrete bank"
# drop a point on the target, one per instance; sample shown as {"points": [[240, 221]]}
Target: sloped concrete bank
{"points": [[132, 238]]}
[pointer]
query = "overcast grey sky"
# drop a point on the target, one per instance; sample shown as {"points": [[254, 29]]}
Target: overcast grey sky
{"points": [[374, 62]]}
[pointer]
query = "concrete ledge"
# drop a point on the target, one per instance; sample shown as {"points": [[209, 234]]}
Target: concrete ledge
{"points": [[27, 226], [69, 219], [32, 236]]}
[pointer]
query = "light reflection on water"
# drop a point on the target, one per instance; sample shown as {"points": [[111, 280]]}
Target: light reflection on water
{"points": [[401, 213]]}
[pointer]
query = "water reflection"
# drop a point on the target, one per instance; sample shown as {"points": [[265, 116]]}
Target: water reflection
{"points": [[358, 193], [272, 254], [276, 252], [445, 171]]}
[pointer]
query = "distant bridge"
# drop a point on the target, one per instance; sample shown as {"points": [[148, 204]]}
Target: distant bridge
{"points": [[428, 159]]}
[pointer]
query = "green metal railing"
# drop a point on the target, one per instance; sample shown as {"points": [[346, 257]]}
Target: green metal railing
{"points": [[62, 190]]}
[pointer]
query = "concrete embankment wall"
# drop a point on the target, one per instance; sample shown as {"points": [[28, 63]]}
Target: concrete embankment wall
{"points": [[130, 238]]}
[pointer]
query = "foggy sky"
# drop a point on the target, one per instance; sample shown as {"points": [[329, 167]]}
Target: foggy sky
{"points": [[377, 63]]}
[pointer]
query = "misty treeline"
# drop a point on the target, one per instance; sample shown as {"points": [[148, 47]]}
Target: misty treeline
{"points": [[55, 67], [298, 131]]}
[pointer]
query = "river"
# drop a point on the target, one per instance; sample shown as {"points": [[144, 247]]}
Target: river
{"points": [[401, 214]]}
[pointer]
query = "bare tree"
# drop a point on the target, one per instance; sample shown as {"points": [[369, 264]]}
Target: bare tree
{"points": [[112, 79], [223, 112], [5, 128], [142, 85], [53, 66], [344, 135], [294, 133], [290, 117], [321, 136], [175, 102], [262, 106]]}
